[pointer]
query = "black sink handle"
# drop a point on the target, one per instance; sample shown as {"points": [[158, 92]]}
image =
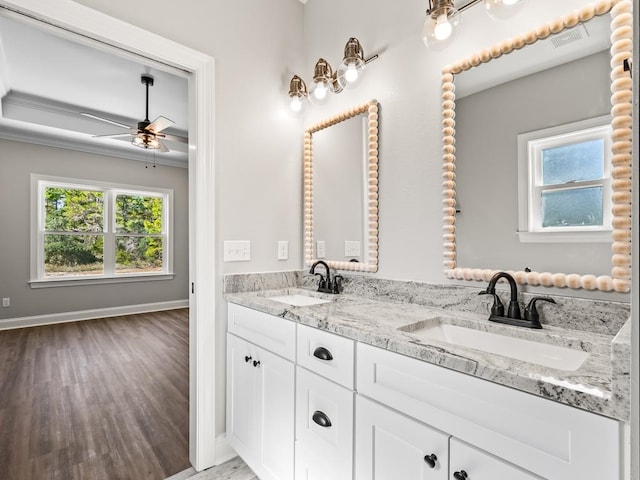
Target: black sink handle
{"points": [[321, 419], [531, 312], [322, 354]]}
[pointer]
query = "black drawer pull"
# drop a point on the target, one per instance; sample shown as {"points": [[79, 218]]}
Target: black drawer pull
{"points": [[461, 475], [256, 363], [247, 358], [321, 419], [431, 460], [322, 353]]}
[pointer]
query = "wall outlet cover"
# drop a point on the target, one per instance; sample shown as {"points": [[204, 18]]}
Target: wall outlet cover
{"points": [[320, 249]]}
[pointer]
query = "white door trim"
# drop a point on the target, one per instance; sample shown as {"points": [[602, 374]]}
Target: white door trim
{"points": [[95, 25]]}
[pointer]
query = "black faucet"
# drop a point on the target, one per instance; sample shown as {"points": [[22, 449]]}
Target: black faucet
{"points": [[531, 317], [324, 285]]}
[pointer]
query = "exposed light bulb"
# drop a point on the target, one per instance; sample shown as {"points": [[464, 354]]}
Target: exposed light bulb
{"points": [[320, 92], [351, 74], [443, 28], [296, 104]]}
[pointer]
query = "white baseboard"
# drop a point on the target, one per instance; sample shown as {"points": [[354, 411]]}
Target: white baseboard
{"points": [[224, 452], [36, 320]]}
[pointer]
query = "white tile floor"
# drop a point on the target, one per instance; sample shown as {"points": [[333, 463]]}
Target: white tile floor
{"points": [[234, 469]]}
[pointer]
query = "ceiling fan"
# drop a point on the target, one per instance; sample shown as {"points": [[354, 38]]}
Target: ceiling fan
{"points": [[146, 134]]}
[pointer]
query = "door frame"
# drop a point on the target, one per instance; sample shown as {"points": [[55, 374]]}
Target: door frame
{"points": [[115, 33]]}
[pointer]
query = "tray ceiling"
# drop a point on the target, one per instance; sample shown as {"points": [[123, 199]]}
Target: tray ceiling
{"points": [[48, 80]]}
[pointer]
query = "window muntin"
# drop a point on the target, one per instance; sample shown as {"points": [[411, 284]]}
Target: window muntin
{"points": [[566, 174], [96, 230]]}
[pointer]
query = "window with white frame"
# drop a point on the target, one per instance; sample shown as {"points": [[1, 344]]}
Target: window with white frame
{"points": [[565, 183], [95, 231]]}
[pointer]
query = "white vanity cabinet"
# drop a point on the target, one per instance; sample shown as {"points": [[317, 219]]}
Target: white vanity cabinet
{"points": [[324, 406], [392, 446], [547, 439], [261, 391]]}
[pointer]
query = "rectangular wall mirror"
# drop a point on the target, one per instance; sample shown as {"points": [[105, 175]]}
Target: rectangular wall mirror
{"points": [[537, 155], [341, 190]]}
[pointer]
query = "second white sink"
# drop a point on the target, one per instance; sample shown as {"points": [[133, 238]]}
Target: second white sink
{"points": [[298, 300], [544, 354]]}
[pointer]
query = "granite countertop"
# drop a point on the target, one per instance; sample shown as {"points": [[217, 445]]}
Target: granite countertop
{"points": [[599, 385]]}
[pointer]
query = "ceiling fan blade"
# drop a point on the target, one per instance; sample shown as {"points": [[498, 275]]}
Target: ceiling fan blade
{"points": [[159, 124], [162, 147], [174, 138], [102, 119], [114, 135]]}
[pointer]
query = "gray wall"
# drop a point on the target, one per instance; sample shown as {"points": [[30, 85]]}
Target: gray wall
{"points": [[487, 127], [19, 160]]}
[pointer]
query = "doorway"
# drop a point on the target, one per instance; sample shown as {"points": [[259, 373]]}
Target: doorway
{"points": [[130, 40]]}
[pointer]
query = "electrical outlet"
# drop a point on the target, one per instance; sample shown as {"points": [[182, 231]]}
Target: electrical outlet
{"points": [[237, 250], [283, 250], [320, 249], [6, 302], [351, 248]]}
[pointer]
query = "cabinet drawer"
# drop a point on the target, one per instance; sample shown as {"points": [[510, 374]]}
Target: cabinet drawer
{"points": [[271, 333], [327, 354], [324, 428], [539, 435]]}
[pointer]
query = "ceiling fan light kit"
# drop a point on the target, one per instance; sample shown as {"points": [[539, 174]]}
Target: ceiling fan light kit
{"points": [[147, 134]]}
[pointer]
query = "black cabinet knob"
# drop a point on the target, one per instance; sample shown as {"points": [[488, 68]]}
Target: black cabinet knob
{"points": [[431, 460], [256, 363], [321, 419], [322, 353], [247, 358], [461, 475]]}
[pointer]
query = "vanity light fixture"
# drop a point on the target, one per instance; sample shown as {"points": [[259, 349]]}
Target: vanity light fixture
{"points": [[443, 18], [297, 93], [326, 80]]}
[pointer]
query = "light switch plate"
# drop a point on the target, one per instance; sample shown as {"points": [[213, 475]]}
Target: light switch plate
{"points": [[283, 250], [320, 250], [237, 250]]}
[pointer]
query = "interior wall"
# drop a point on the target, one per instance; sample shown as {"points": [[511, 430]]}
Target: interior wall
{"points": [[18, 161]]}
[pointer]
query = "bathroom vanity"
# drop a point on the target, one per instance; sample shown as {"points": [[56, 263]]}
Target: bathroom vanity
{"points": [[350, 387]]}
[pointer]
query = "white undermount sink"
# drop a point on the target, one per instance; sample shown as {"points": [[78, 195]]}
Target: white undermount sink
{"points": [[552, 356], [299, 300]]}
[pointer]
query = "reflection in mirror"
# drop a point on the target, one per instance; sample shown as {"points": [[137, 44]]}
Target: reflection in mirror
{"points": [[341, 190], [529, 87]]}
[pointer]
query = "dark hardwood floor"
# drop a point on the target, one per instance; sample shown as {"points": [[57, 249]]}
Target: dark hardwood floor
{"points": [[100, 399]]}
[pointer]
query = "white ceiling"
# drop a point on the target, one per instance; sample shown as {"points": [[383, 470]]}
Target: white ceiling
{"points": [[47, 80]]}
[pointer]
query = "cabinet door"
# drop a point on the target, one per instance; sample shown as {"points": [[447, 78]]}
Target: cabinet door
{"points": [[390, 446], [241, 432], [469, 462], [324, 428], [275, 395]]}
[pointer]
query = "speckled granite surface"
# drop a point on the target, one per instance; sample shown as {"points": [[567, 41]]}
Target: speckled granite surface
{"points": [[377, 313]]}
